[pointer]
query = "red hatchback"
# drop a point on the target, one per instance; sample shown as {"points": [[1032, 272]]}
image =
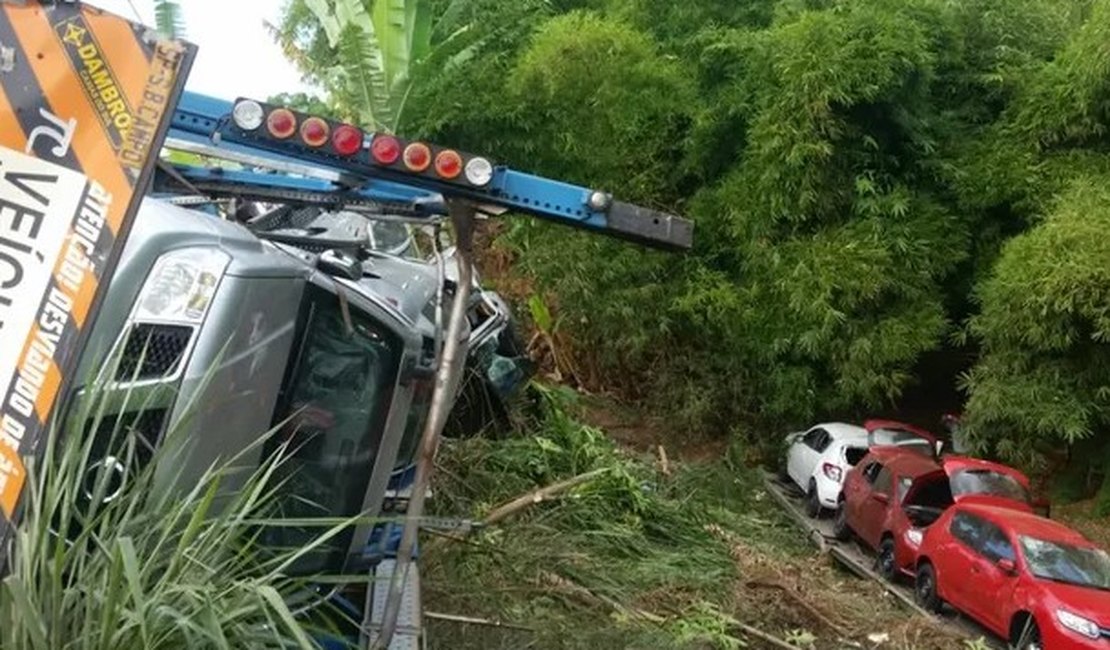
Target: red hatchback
{"points": [[889, 433], [1030, 580], [893, 494]]}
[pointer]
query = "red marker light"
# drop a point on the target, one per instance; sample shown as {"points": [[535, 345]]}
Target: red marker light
{"points": [[347, 140], [448, 164], [315, 132], [418, 157], [385, 149], [281, 123]]}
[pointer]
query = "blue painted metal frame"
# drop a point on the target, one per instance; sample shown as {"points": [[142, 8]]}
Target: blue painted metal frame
{"points": [[206, 120]]}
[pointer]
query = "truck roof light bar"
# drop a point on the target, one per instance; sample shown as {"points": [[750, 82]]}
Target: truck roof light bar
{"points": [[370, 158]]}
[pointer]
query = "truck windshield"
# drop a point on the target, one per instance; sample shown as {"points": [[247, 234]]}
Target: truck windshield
{"points": [[1077, 565], [332, 412]]}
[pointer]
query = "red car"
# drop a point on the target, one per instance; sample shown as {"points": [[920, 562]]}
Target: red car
{"points": [[893, 494], [1031, 580], [889, 433]]}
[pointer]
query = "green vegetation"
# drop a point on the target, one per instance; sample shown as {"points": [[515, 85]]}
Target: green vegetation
{"points": [[642, 556], [366, 55], [167, 16], [100, 563], [876, 184]]}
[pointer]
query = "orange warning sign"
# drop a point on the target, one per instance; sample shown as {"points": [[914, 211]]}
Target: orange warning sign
{"points": [[85, 102]]}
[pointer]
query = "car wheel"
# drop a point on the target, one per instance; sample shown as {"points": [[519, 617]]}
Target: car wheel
{"points": [[886, 563], [813, 502], [925, 588], [841, 531], [1028, 638]]}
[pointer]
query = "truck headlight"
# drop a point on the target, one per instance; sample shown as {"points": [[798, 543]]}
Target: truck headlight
{"points": [[181, 285], [1078, 624]]}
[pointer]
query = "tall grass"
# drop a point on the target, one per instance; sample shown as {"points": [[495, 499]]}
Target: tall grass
{"points": [[633, 537], [161, 563]]}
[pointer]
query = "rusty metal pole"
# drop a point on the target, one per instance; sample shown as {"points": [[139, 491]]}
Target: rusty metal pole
{"points": [[462, 217]]}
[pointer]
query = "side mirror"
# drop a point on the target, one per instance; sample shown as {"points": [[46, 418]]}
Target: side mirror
{"points": [[340, 264], [1007, 566], [880, 497]]}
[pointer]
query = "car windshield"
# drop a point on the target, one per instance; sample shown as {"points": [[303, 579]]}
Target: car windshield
{"points": [[987, 482], [1076, 565], [900, 438]]}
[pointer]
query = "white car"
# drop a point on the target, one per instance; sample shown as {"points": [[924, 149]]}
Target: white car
{"points": [[817, 461]]}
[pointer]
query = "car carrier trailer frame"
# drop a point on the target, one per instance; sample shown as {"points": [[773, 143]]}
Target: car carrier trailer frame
{"points": [[851, 556]]}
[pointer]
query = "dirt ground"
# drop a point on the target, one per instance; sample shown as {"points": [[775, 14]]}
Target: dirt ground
{"points": [[1081, 516], [645, 434], [812, 598]]}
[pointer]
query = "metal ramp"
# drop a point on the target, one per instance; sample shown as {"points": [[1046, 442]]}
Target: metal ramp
{"points": [[410, 621]]}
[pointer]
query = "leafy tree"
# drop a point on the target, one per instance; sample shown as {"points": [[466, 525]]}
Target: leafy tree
{"points": [[304, 102], [168, 18], [366, 54], [1044, 378], [867, 178]]}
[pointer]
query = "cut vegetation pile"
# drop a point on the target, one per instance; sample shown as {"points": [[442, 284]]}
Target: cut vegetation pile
{"points": [[643, 554]]}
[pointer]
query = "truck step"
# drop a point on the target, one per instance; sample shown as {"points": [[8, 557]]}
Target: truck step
{"points": [[409, 631]]}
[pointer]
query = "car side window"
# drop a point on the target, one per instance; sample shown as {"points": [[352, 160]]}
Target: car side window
{"points": [[995, 545], [968, 529], [871, 472], [884, 482]]}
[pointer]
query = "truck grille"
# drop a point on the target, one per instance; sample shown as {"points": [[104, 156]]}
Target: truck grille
{"points": [[153, 351], [113, 429], [109, 449]]}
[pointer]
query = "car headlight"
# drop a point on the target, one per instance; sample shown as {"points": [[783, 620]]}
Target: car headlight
{"points": [[181, 285], [1078, 624], [914, 537]]}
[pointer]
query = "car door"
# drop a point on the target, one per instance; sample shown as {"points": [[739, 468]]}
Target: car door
{"points": [[955, 559], [873, 508], [992, 585], [854, 486], [860, 491], [803, 455]]}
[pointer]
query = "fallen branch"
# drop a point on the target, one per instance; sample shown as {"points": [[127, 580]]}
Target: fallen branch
{"points": [[664, 463], [802, 602], [761, 635], [514, 506], [469, 620], [594, 599]]}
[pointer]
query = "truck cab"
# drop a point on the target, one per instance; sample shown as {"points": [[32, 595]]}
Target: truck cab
{"points": [[232, 340]]}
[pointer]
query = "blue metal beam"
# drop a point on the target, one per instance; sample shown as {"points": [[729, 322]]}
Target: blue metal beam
{"points": [[206, 120]]}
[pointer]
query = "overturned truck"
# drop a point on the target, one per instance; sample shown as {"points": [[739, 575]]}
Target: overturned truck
{"points": [[256, 269]]}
